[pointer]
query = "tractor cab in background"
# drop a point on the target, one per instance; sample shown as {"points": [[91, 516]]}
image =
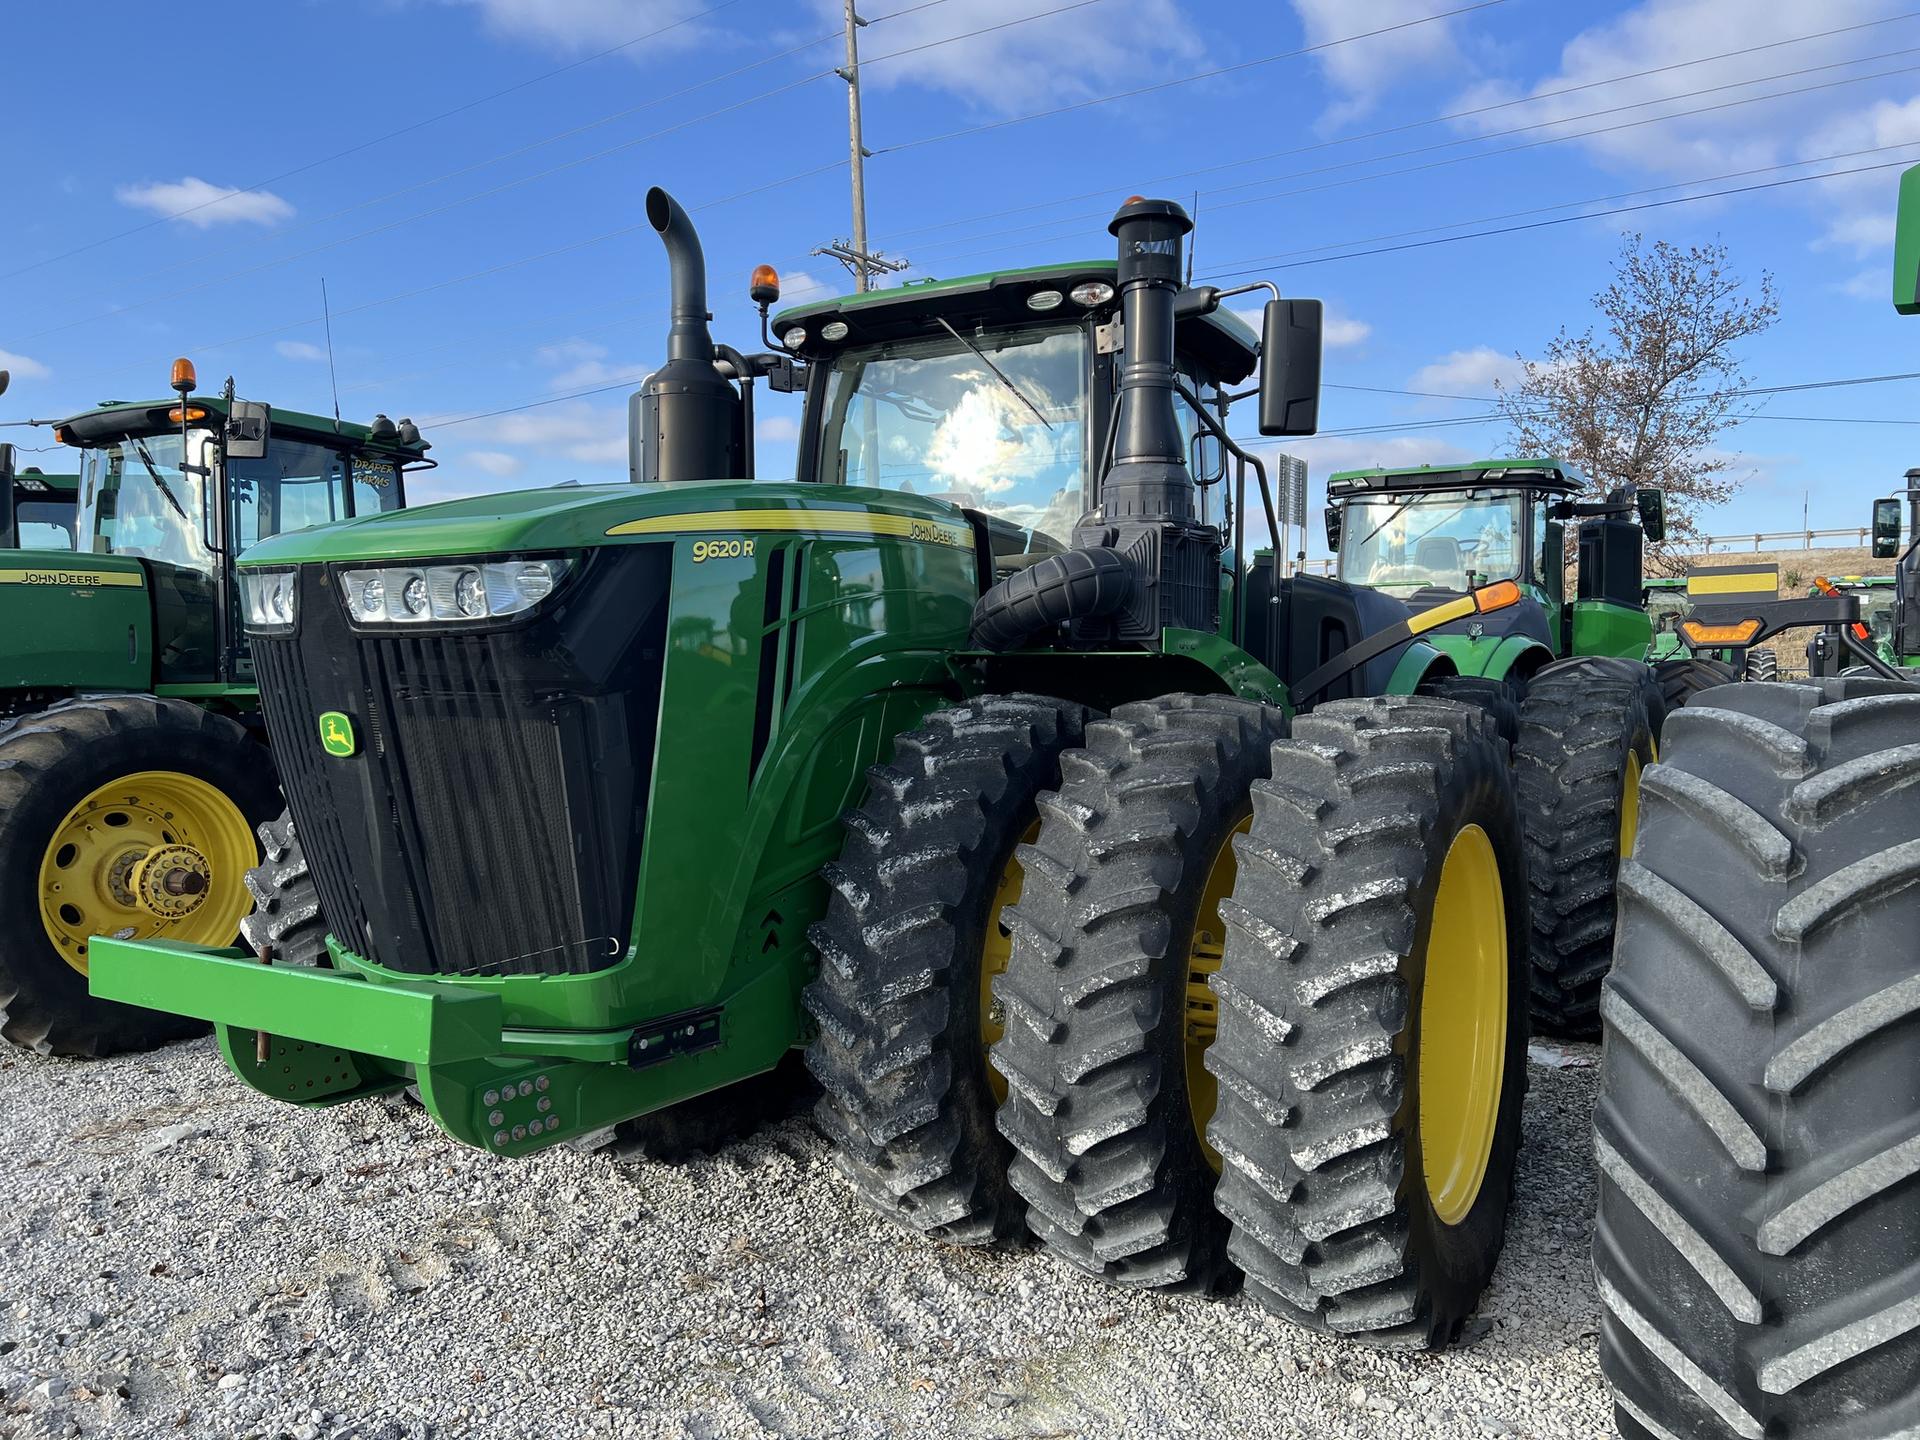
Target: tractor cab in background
{"points": [[43, 509], [1428, 534]]}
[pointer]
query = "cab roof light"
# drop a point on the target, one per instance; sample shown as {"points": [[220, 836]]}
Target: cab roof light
{"points": [[182, 380], [183, 414]]}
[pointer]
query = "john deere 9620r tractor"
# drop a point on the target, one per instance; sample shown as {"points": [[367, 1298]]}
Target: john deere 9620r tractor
{"points": [[1192, 944], [132, 771]]}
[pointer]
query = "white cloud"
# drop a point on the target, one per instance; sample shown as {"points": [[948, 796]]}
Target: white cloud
{"points": [[576, 431], [573, 26], [1364, 71], [1867, 285], [199, 203], [1326, 455], [494, 462], [22, 367], [1467, 372], [1340, 331], [1047, 61], [799, 285], [586, 365], [299, 350], [777, 429]]}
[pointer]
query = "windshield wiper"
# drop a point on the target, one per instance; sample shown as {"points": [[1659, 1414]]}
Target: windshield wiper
{"points": [[1385, 520], [172, 499], [998, 373]]}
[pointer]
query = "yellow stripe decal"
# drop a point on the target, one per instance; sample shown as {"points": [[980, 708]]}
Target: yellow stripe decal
{"points": [[1441, 614], [72, 577], [810, 522], [1738, 583]]}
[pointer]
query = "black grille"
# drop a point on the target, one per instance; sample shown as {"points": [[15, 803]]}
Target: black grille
{"points": [[490, 820]]}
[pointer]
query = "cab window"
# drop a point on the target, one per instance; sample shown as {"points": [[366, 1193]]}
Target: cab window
{"points": [[293, 486]]}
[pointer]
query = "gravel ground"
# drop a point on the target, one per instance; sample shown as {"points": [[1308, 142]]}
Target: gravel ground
{"points": [[184, 1258]]}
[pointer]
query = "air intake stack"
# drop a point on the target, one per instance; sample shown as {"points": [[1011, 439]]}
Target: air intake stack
{"points": [[685, 423], [1146, 510]]}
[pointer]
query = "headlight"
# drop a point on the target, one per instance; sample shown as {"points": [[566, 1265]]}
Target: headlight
{"points": [[413, 594], [268, 598]]}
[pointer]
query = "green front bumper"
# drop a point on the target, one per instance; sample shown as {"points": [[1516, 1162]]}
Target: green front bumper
{"points": [[320, 1037]]}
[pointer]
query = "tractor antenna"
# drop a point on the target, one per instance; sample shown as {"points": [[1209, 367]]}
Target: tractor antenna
{"points": [[326, 314], [1191, 247]]}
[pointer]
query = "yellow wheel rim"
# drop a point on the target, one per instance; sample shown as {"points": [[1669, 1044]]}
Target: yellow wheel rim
{"points": [[1630, 795], [1463, 1025], [1203, 1006], [154, 854], [996, 950]]}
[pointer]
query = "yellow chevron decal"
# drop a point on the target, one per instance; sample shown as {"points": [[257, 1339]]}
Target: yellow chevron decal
{"points": [[805, 522]]}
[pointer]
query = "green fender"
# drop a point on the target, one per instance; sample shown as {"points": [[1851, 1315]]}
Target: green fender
{"points": [[1493, 657]]}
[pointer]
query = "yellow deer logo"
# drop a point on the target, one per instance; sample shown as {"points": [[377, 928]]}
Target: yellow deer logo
{"points": [[336, 734]]}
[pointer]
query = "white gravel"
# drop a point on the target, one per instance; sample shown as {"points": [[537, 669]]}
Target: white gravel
{"points": [[184, 1258]]}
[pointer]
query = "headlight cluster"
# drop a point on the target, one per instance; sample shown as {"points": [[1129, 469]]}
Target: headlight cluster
{"points": [[416, 594], [268, 598]]}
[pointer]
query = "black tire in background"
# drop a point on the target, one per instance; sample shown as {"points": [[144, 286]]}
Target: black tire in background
{"points": [[1762, 665], [1680, 680], [1106, 1104], [286, 918], [913, 911], [1499, 698], [51, 762], [1373, 1022], [1588, 727], [1758, 1130]]}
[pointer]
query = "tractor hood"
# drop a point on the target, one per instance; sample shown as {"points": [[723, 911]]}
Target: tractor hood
{"points": [[571, 517]]}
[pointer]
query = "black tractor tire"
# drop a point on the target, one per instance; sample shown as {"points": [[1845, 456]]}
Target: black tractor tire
{"points": [[1325, 994], [1762, 666], [1498, 698], [915, 900], [1758, 1129], [286, 919], [1588, 727], [1683, 678], [49, 763], [1107, 1131]]}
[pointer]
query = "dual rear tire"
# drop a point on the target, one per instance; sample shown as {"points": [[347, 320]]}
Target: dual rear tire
{"points": [[1263, 1006]]}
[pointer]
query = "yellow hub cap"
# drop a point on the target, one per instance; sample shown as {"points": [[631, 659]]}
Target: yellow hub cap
{"points": [[1203, 1006], [996, 949], [152, 854], [1463, 1025]]}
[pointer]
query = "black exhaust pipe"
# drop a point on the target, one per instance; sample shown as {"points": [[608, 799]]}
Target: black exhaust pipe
{"points": [[1141, 561], [685, 423]]}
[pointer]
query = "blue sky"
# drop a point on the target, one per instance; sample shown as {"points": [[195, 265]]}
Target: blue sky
{"points": [[497, 256]]}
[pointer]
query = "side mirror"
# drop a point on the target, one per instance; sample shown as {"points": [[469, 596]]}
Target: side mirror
{"points": [[1886, 529], [1333, 518], [9, 537], [248, 424], [1290, 367], [6, 379], [1652, 505]]}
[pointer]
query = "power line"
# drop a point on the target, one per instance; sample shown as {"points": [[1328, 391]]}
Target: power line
{"points": [[1422, 124], [379, 139]]}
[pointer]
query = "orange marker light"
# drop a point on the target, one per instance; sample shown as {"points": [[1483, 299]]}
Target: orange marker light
{"points": [[1134, 199], [183, 414], [764, 287], [60, 435], [183, 377], [1827, 587], [1739, 634], [1496, 596]]}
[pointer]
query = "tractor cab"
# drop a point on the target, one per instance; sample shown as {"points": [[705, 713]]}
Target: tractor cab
{"points": [[1667, 604], [43, 511], [172, 492], [997, 393]]}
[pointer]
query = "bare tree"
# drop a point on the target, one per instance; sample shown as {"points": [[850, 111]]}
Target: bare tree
{"points": [[1644, 401]]}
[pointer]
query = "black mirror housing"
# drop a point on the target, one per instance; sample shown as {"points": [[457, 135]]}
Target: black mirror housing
{"points": [[1290, 367], [1652, 505], [1886, 529], [1333, 519], [249, 422]]}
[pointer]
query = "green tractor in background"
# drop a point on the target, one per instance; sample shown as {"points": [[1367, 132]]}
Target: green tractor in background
{"points": [[42, 514], [1568, 676], [1114, 892], [133, 768], [1879, 602], [1757, 1247]]}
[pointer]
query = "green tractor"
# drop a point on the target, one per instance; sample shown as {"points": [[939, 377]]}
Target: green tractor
{"points": [[132, 761], [1879, 600], [43, 506], [1186, 932], [1569, 677], [1757, 1247]]}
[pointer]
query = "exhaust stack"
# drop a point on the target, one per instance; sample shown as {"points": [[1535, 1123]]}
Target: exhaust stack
{"points": [[685, 423]]}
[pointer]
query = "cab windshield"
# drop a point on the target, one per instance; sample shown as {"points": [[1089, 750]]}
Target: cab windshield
{"points": [[45, 524], [1002, 432], [1454, 541], [137, 499]]}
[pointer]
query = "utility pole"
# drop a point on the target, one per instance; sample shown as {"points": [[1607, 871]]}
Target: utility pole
{"points": [[862, 262]]}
